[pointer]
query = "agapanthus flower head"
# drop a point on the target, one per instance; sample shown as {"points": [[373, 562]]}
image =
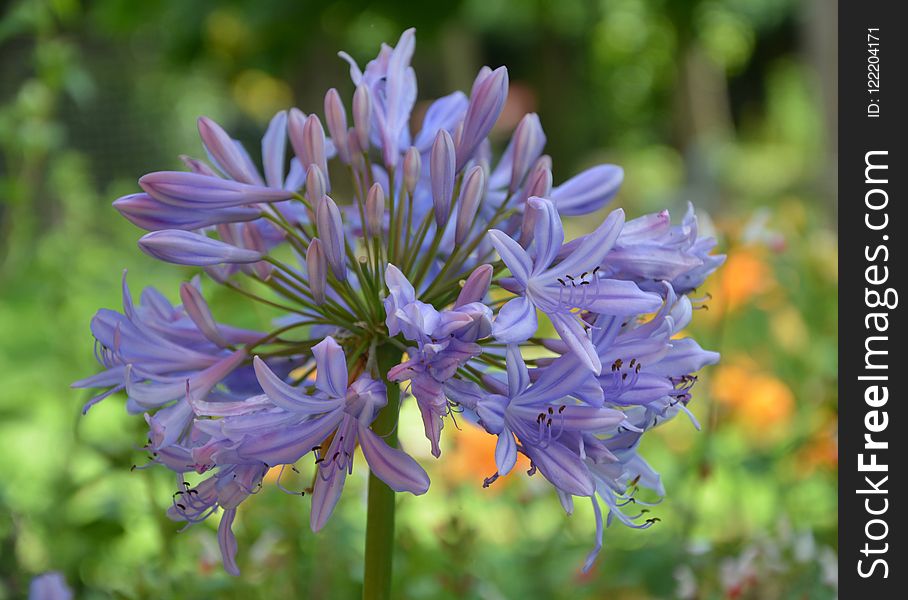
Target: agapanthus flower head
{"points": [[432, 276]]}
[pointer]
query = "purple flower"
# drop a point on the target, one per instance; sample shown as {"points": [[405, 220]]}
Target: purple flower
{"points": [[445, 342], [391, 82], [230, 403], [299, 422], [572, 283], [49, 586], [542, 420]]}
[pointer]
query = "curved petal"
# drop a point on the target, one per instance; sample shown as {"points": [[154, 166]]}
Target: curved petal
{"points": [[393, 466], [518, 376], [564, 469], [516, 321], [574, 335], [590, 253], [286, 445], [513, 255], [325, 494], [505, 452], [549, 234], [288, 397], [274, 150], [331, 372], [588, 191], [227, 542]]}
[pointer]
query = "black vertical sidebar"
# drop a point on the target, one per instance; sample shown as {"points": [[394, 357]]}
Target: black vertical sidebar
{"points": [[873, 59]]}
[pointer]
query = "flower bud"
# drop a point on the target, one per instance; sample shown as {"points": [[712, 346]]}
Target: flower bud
{"points": [[227, 153], [476, 287], [331, 232], [441, 171], [316, 186], [336, 119], [529, 140], [486, 103], [412, 169], [471, 194], [362, 115], [375, 210], [189, 248], [274, 150], [316, 270], [251, 239]]}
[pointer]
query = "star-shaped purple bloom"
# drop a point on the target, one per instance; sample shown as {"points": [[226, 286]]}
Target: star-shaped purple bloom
{"points": [[564, 289]]}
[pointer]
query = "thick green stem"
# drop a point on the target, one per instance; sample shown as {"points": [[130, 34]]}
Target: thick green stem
{"points": [[380, 515]]}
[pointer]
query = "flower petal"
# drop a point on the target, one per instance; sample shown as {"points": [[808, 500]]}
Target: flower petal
{"points": [[393, 466], [549, 234], [574, 335], [331, 372], [274, 150], [288, 397], [189, 248], [589, 253], [513, 255], [516, 321], [227, 542], [505, 452]]}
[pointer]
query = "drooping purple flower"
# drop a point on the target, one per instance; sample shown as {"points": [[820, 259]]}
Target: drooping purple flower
{"points": [[445, 340], [299, 422]]}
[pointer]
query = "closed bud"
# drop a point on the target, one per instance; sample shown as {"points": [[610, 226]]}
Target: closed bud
{"points": [[486, 103], [316, 186], [314, 146], [227, 154], [296, 122], [471, 195], [375, 210], [529, 140], [194, 249], [316, 270], [412, 169], [336, 119], [441, 170], [362, 115], [331, 231], [476, 286]]}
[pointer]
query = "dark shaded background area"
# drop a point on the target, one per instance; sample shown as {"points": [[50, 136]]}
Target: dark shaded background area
{"points": [[728, 104]]}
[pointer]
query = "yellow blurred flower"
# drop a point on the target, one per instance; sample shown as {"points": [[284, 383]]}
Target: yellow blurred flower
{"points": [[744, 275], [761, 402], [260, 95]]}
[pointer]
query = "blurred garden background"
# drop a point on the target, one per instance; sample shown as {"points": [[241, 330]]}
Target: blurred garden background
{"points": [[726, 103]]}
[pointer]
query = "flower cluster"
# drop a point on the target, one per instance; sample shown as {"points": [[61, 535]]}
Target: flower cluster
{"points": [[442, 267]]}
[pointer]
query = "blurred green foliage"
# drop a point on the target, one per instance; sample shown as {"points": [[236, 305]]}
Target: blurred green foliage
{"points": [[724, 103]]}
